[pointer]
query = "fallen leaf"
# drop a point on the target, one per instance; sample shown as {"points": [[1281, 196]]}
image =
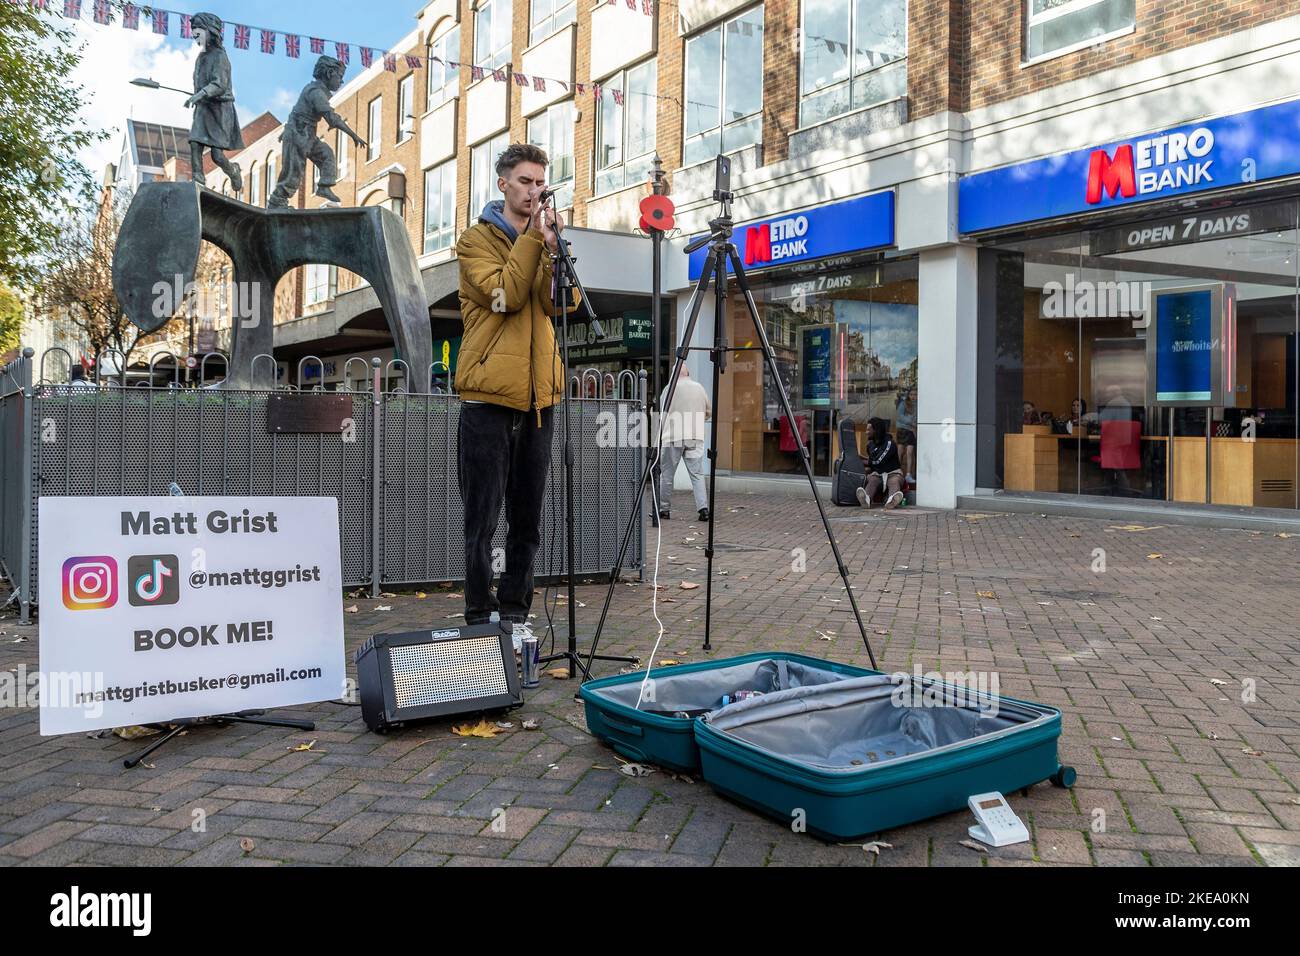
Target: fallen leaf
{"points": [[668, 662], [504, 724], [530, 723], [559, 673], [875, 846], [1212, 735], [1284, 534], [421, 595], [1252, 753], [351, 609], [689, 585], [636, 770], [1134, 527], [247, 845], [387, 594], [383, 607], [1154, 555], [1216, 682], [481, 729], [826, 636], [972, 845], [991, 595], [306, 746]]}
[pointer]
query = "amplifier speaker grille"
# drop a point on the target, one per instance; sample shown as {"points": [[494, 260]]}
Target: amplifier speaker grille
{"points": [[448, 670]]}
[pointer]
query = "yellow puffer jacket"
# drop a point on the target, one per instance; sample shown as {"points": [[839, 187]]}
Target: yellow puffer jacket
{"points": [[508, 355]]}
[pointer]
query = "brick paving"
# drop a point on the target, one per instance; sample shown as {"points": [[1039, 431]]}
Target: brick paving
{"points": [[1175, 668]]}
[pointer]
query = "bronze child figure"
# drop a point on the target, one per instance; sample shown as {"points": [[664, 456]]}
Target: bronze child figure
{"points": [[300, 141], [215, 126]]}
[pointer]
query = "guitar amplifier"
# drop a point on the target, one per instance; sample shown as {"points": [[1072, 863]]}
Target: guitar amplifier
{"points": [[424, 674]]}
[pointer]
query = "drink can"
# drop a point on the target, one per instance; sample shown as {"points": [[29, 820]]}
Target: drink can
{"points": [[531, 667]]}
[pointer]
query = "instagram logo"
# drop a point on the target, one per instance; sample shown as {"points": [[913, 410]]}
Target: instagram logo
{"points": [[89, 583]]}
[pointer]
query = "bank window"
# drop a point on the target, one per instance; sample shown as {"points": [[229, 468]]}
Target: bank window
{"points": [[547, 16], [724, 88], [625, 128], [439, 206], [374, 128], [553, 132], [492, 34], [321, 283], [406, 108], [443, 79], [1058, 26], [483, 174], [854, 56]]}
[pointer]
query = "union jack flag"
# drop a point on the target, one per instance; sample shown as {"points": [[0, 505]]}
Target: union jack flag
{"points": [[268, 41], [72, 9], [186, 30], [367, 56], [498, 75], [521, 80], [539, 84], [131, 16], [618, 96], [242, 34], [291, 47], [317, 45], [476, 74], [390, 62], [160, 22], [414, 62], [341, 53], [101, 11]]}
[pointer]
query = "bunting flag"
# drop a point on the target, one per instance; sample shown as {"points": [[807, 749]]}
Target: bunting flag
{"points": [[579, 88], [241, 36], [618, 97], [648, 7], [476, 74], [131, 16], [341, 53], [268, 41], [40, 4], [414, 62], [317, 45], [160, 21], [390, 62], [101, 11], [498, 75], [521, 80], [367, 56], [291, 45], [186, 30], [595, 90], [539, 84], [72, 9], [563, 84], [631, 4]]}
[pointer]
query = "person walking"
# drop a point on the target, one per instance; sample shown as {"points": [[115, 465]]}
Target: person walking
{"points": [[684, 433]]}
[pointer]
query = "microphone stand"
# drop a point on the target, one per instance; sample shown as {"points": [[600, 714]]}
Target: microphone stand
{"points": [[565, 275]]}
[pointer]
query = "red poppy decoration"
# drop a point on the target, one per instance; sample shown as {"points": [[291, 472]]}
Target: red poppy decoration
{"points": [[656, 213]]}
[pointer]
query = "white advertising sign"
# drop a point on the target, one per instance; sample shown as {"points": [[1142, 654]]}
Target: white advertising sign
{"points": [[157, 608]]}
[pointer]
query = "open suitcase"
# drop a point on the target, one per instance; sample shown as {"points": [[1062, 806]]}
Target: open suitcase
{"points": [[844, 750], [654, 733]]}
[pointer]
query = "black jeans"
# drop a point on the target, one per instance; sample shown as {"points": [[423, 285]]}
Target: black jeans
{"points": [[501, 454]]}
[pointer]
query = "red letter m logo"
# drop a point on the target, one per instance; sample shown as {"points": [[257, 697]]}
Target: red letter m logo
{"points": [[1113, 176], [758, 244]]}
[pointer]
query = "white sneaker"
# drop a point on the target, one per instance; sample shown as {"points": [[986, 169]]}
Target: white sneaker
{"points": [[894, 500], [519, 632], [862, 497]]}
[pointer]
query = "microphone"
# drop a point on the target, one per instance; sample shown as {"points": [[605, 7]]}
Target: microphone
{"points": [[545, 196]]}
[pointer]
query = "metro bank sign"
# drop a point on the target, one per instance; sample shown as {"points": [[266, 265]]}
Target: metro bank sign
{"points": [[854, 225], [1226, 151]]}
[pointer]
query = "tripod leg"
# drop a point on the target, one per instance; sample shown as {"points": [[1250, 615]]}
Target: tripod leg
{"points": [[130, 762], [697, 299], [770, 358], [719, 360]]}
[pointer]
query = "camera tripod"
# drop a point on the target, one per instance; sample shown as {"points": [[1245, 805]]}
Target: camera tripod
{"points": [[722, 251]]}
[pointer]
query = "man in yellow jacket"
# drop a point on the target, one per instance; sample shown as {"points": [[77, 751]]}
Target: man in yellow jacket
{"points": [[509, 377]]}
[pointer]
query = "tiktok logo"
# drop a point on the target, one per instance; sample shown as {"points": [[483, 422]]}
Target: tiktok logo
{"points": [[154, 579]]}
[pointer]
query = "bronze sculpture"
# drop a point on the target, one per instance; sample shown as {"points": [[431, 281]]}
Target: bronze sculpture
{"points": [[300, 141], [215, 126]]}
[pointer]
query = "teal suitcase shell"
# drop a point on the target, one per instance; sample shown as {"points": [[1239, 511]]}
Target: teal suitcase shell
{"points": [[651, 734], [844, 802]]}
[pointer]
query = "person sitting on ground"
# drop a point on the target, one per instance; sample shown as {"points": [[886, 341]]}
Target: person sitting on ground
{"points": [[883, 467]]}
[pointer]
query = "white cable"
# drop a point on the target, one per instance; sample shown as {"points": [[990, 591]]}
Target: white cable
{"points": [[654, 582]]}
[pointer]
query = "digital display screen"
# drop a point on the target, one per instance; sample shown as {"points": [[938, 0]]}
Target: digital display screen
{"points": [[1185, 346], [990, 804]]}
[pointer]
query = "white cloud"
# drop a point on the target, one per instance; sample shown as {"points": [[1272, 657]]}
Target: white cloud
{"points": [[113, 56]]}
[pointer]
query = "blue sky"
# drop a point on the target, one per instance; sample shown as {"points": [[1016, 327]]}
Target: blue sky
{"points": [[113, 56]]}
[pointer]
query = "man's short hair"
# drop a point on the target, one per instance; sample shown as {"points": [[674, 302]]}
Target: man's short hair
{"points": [[517, 153]]}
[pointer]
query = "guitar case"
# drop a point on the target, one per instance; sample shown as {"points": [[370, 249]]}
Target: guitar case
{"points": [[850, 469]]}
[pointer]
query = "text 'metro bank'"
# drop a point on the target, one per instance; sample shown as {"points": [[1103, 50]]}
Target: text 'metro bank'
{"points": [[1234, 150]]}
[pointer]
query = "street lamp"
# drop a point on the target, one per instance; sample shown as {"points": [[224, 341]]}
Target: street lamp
{"points": [[152, 84]]}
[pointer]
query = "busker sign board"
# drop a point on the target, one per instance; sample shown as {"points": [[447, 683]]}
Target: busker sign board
{"points": [[158, 608]]}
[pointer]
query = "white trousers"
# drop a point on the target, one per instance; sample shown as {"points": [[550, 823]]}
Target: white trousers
{"points": [[672, 455]]}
